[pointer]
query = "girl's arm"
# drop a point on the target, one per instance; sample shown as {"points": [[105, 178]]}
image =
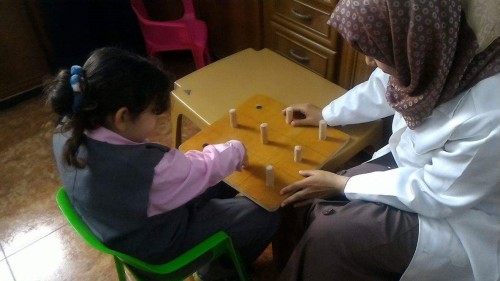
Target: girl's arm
{"points": [[181, 177]]}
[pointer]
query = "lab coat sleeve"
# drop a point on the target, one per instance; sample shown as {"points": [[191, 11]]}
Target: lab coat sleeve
{"points": [[454, 180], [363, 103]]}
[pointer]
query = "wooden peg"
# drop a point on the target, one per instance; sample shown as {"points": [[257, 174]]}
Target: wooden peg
{"points": [[297, 153], [269, 176], [322, 130], [264, 133], [289, 115], [232, 118]]}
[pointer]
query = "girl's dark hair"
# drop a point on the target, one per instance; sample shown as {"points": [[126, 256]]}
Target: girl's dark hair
{"points": [[112, 78]]}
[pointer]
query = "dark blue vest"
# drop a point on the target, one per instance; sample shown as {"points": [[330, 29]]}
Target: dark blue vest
{"points": [[112, 194]]}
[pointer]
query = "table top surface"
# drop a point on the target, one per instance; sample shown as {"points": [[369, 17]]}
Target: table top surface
{"points": [[278, 152], [214, 89]]}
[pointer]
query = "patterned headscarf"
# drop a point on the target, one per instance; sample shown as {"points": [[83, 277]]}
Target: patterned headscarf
{"points": [[427, 43]]}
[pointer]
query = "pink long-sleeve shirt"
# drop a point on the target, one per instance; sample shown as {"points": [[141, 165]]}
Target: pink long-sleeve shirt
{"points": [[180, 177]]}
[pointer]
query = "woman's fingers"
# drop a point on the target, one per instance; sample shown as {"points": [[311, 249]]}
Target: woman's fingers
{"points": [[298, 191], [305, 114], [298, 185], [316, 184], [297, 196]]}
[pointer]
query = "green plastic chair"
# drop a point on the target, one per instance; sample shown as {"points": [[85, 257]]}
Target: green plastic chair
{"points": [[175, 270]]}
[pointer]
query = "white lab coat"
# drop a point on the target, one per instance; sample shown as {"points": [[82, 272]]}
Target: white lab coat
{"points": [[448, 173]]}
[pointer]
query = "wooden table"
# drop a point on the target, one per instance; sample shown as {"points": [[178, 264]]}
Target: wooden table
{"points": [[207, 94], [278, 152]]}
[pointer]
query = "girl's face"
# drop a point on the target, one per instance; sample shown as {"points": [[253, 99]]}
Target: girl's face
{"points": [[140, 128]]}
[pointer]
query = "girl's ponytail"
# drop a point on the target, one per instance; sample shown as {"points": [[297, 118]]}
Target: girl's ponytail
{"points": [[70, 152], [60, 94], [65, 102]]}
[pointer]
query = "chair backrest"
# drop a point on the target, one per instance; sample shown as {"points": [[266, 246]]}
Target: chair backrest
{"points": [[162, 35], [141, 10], [215, 246], [188, 9], [186, 33]]}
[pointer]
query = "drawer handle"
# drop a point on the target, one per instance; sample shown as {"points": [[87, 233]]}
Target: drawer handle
{"points": [[298, 57], [300, 15]]}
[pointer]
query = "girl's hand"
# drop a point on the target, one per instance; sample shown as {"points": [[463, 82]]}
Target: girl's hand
{"points": [[305, 114], [244, 162], [317, 184]]}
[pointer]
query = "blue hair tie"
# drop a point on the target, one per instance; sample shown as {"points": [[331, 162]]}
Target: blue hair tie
{"points": [[76, 69], [75, 81]]}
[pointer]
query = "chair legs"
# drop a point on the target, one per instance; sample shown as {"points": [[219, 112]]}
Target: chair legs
{"points": [[206, 54], [201, 57], [120, 270], [238, 264], [226, 246]]}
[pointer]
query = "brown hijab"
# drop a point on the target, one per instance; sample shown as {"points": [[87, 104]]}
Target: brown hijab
{"points": [[427, 43]]}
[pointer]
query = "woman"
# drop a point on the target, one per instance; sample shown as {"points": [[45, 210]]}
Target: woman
{"points": [[426, 207]]}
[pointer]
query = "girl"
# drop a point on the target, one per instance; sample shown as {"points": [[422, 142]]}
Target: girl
{"points": [[427, 206], [142, 198]]}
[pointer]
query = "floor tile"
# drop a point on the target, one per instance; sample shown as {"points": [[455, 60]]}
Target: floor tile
{"points": [[23, 223], [2, 255], [28, 210], [24, 121], [29, 178], [5, 274], [61, 255]]}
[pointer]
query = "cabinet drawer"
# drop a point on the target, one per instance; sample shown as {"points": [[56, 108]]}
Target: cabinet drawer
{"points": [[306, 17], [303, 51]]}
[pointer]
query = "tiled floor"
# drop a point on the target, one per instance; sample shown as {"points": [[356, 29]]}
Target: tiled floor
{"points": [[36, 243]]}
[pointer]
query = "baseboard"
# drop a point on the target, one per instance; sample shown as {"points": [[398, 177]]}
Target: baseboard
{"points": [[14, 100]]}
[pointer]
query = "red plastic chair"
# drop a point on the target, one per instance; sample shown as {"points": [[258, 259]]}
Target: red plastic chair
{"points": [[186, 33]]}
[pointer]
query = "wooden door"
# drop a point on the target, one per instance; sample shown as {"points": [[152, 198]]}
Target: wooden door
{"points": [[23, 48]]}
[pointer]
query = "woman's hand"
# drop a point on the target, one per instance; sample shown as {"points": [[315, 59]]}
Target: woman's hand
{"points": [[316, 184], [305, 114]]}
